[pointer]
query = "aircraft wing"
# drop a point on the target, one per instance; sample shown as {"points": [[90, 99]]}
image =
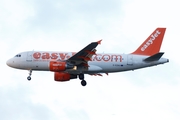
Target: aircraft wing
{"points": [[84, 55]]}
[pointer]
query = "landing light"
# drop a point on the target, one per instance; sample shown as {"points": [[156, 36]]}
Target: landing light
{"points": [[75, 68]]}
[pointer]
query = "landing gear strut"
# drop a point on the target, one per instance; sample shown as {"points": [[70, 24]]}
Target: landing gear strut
{"points": [[29, 77], [81, 77]]}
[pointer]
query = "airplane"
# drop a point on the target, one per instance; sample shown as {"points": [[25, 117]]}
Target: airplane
{"points": [[73, 65]]}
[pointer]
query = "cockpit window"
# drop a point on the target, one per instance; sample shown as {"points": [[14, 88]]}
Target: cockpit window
{"points": [[18, 55]]}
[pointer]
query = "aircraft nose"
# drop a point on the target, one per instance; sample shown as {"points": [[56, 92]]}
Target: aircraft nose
{"points": [[9, 62]]}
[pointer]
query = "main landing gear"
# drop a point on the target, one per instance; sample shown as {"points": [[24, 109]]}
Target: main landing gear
{"points": [[83, 82], [29, 77]]}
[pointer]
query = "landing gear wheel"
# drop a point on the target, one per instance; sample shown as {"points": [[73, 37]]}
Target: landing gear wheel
{"points": [[29, 78], [83, 83]]}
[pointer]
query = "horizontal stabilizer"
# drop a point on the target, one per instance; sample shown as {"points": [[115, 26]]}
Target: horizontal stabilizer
{"points": [[154, 57]]}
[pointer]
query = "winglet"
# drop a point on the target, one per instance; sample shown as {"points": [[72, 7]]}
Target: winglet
{"points": [[152, 44], [99, 42]]}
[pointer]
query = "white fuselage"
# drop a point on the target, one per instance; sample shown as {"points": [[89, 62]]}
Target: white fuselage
{"points": [[71, 65], [100, 63]]}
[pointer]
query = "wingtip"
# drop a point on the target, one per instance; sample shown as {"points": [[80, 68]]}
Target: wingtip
{"points": [[99, 42]]}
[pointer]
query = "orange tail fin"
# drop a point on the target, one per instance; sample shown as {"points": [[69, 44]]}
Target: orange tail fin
{"points": [[152, 44]]}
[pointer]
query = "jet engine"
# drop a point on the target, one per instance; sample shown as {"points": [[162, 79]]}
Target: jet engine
{"points": [[62, 76], [57, 66]]}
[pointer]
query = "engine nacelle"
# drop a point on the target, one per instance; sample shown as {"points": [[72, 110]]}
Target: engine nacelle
{"points": [[57, 66], [61, 76]]}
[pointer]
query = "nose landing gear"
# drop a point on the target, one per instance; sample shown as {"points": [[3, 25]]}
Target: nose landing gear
{"points": [[81, 77], [29, 77]]}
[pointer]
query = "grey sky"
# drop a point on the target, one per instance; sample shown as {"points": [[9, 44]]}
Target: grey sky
{"points": [[150, 93]]}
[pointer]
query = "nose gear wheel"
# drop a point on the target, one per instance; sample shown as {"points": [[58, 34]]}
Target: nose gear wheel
{"points": [[29, 77]]}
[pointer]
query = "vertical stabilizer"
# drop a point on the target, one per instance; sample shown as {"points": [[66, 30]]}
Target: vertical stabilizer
{"points": [[152, 44]]}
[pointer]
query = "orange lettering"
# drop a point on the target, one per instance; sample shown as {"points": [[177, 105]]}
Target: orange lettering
{"points": [[45, 55], [116, 57], [37, 55], [54, 56], [98, 57], [106, 57], [62, 55]]}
